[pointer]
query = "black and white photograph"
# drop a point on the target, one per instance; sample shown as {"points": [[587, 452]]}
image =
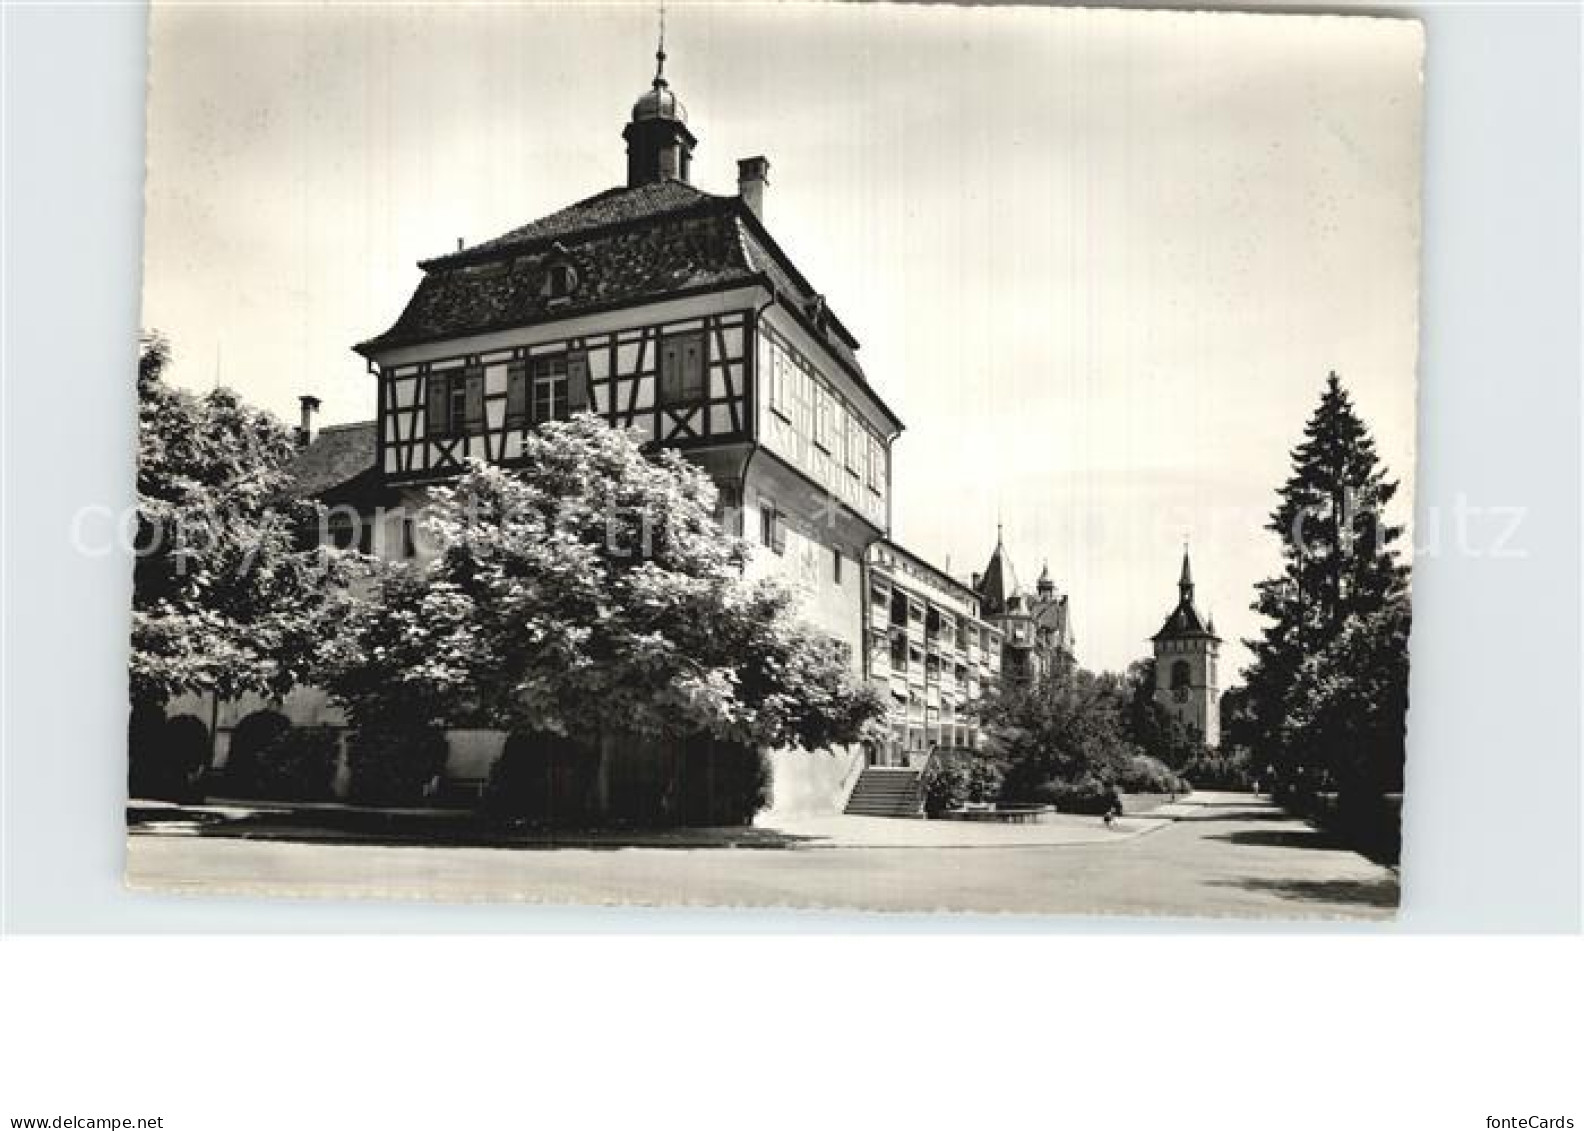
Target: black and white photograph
{"points": [[567, 430], [791, 564]]}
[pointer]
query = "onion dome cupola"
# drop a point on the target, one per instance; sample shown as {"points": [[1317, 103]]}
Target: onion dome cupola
{"points": [[1045, 586], [659, 143]]}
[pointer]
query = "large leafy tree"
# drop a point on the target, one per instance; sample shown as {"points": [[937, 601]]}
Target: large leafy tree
{"points": [[1065, 730], [1150, 726], [1335, 650], [587, 592], [225, 599]]}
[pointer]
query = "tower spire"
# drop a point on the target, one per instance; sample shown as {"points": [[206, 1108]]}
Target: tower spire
{"points": [[660, 52], [1185, 584]]}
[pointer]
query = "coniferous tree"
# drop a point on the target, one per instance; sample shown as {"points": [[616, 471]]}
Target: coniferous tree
{"points": [[1338, 614]]}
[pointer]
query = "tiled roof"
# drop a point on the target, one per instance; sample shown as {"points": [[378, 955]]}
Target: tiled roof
{"points": [[618, 266], [337, 454], [1184, 621], [998, 584], [627, 245], [605, 209]]}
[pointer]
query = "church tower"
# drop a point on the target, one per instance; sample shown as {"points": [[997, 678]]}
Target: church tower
{"points": [[1186, 650]]}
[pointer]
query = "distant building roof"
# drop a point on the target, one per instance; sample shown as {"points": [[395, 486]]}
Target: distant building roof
{"points": [[1184, 620], [998, 584], [337, 455]]}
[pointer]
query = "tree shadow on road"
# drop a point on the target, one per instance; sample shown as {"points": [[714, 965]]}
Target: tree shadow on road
{"points": [[461, 829], [1281, 838], [1380, 892]]}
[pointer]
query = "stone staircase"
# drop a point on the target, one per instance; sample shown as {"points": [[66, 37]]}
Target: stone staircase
{"points": [[885, 791]]}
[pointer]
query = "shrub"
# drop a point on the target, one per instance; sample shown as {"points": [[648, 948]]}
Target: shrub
{"points": [[1089, 794], [945, 787], [1220, 770], [166, 757], [539, 777], [252, 735], [145, 745], [719, 783], [187, 749], [956, 778], [395, 764], [1143, 774], [299, 765]]}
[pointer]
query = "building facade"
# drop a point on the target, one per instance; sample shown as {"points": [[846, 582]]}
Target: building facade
{"points": [[930, 655], [1187, 652]]}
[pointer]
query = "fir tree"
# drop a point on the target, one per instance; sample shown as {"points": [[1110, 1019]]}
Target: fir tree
{"points": [[1341, 599]]}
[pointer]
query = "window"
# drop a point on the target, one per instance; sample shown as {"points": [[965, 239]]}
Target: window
{"points": [[780, 383], [456, 402], [559, 281], [836, 565], [550, 400], [772, 526], [728, 509], [822, 417], [682, 369], [876, 465], [857, 444], [1181, 675]]}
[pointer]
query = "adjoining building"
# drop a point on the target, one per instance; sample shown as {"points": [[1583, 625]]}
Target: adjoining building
{"points": [[1187, 652]]}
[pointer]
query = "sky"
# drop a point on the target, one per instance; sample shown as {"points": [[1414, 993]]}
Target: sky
{"points": [[1099, 262]]}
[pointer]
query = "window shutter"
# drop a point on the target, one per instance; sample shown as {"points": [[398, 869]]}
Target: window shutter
{"points": [[670, 371], [436, 423], [517, 395], [474, 399], [577, 382], [692, 367]]}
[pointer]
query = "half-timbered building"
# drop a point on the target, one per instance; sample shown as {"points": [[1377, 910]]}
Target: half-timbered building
{"points": [[672, 313]]}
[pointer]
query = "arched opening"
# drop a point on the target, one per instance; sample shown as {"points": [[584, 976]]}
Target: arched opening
{"points": [[1181, 674]]}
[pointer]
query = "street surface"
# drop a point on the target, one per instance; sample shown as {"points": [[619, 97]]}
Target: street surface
{"points": [[1215, 855]]}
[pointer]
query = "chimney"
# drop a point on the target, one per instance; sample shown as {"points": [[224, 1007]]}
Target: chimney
{"points": [[310, 405], [753, 177]]}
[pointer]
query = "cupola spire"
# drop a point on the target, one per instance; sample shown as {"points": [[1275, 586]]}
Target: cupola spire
{"points": [[659, 144]]}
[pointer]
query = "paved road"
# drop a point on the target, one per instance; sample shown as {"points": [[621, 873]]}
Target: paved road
{"points": [[1226, 855]]}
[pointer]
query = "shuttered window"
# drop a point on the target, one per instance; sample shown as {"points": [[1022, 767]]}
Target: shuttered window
{"points": [[455, 403], [472, 401], [517, 395], [682, 369], [772, 526], [577, 382]]}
